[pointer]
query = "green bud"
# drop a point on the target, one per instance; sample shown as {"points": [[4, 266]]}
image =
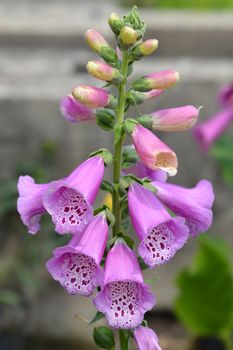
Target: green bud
{"points": [[129, 125], [115, 23], [109, 55], [105, 154], [144, 49], [105, 119], [128, 36], [146, 121], [141, 84], [103, 337]]}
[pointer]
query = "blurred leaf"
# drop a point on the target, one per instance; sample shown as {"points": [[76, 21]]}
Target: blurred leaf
{"points": [[205, 301], [10, 298], [223, 153], [103, 337]]}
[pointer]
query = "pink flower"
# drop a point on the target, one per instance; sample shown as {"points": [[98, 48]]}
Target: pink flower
{"points": [[93, 97], [208, 132], [137, 97], [124, 297], [67, 200], [226, 96], [171, 119], [74, 111], [159, 80], [76, 266], [146, 339], [154, 153], [95, 40], [160, 234], [194, 204]]}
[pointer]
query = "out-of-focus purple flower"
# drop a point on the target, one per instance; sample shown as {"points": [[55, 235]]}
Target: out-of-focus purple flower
{"points": [[76, 265], [171, 119], [74, 111], [94, 97], [146, 339], [124, 297], [154, 153], [193, 204], [161, 235], [226, 96], [208, 132], [159, 80], [67, 200]]}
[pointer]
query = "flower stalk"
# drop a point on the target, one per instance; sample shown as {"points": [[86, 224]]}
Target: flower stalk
{"points": [[118, 142]]}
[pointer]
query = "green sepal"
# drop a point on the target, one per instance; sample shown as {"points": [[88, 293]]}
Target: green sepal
{"points": [[150, 187], [129, 125], [129, 157], [142, 264], [141, 84], [103, 337], [106, 186], [105, 118], [98, 316], [110, 56], [109, 215], [105, 154], [146, 121]]}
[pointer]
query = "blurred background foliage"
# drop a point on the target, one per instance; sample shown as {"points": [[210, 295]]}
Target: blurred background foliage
{"points": [[183, 4]]}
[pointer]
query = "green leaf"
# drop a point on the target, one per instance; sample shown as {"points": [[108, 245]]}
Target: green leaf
{"points": [[9, 298], [103, 337], [205, 301], [106, 186], [98, 316]]}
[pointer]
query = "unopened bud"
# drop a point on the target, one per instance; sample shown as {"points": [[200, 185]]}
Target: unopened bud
{"points": [[94, 97], [160, 80], [172, 119], [128, 36], [105, 118], [137, 97], [95, 40], [103, 71], [115, 23], [74, 111], [144, 49]]}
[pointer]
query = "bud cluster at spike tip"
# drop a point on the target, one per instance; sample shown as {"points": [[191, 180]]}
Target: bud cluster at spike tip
{"points": [[92, 263]]}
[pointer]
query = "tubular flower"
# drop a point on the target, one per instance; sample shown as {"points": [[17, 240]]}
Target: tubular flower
{"points": [[208, 132], [161, 235], [226, 96], [76, 265], [154, 153], [67, 200], [146, 339], [172, 119], [137, 97], [103, 71], [144, 49], [124, 297], [74, 111], [193, 204], [160, 80], [95, 40], [93, 97]]}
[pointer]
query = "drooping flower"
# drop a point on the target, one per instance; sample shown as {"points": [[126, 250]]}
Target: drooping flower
{"points": [[159, 80], [226, 96], [103, 71], [171, 119], [76, 266], [154, 153], [94, 97], [208, 132], [194, 204], [67, 200], [146, 339], [74, 111], [160, 234], [124, 297]]}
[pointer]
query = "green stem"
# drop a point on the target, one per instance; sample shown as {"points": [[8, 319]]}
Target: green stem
{"points": [[124, 340], [118, 142]]}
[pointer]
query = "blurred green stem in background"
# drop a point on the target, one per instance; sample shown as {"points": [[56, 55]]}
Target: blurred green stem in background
{"points": [[183, 4]]}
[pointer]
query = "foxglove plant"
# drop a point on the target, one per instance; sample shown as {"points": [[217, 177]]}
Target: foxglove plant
{"points": [[163, 215]]}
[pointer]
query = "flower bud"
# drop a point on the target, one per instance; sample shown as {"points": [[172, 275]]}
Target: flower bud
{"points": [[103, 71], [74, 111], [160, 80], [172, 119], [94, 97], [103, 337], [128, 36], [95, 40], [137, 97], [105, 118], [115, 23], [144, 49]]}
